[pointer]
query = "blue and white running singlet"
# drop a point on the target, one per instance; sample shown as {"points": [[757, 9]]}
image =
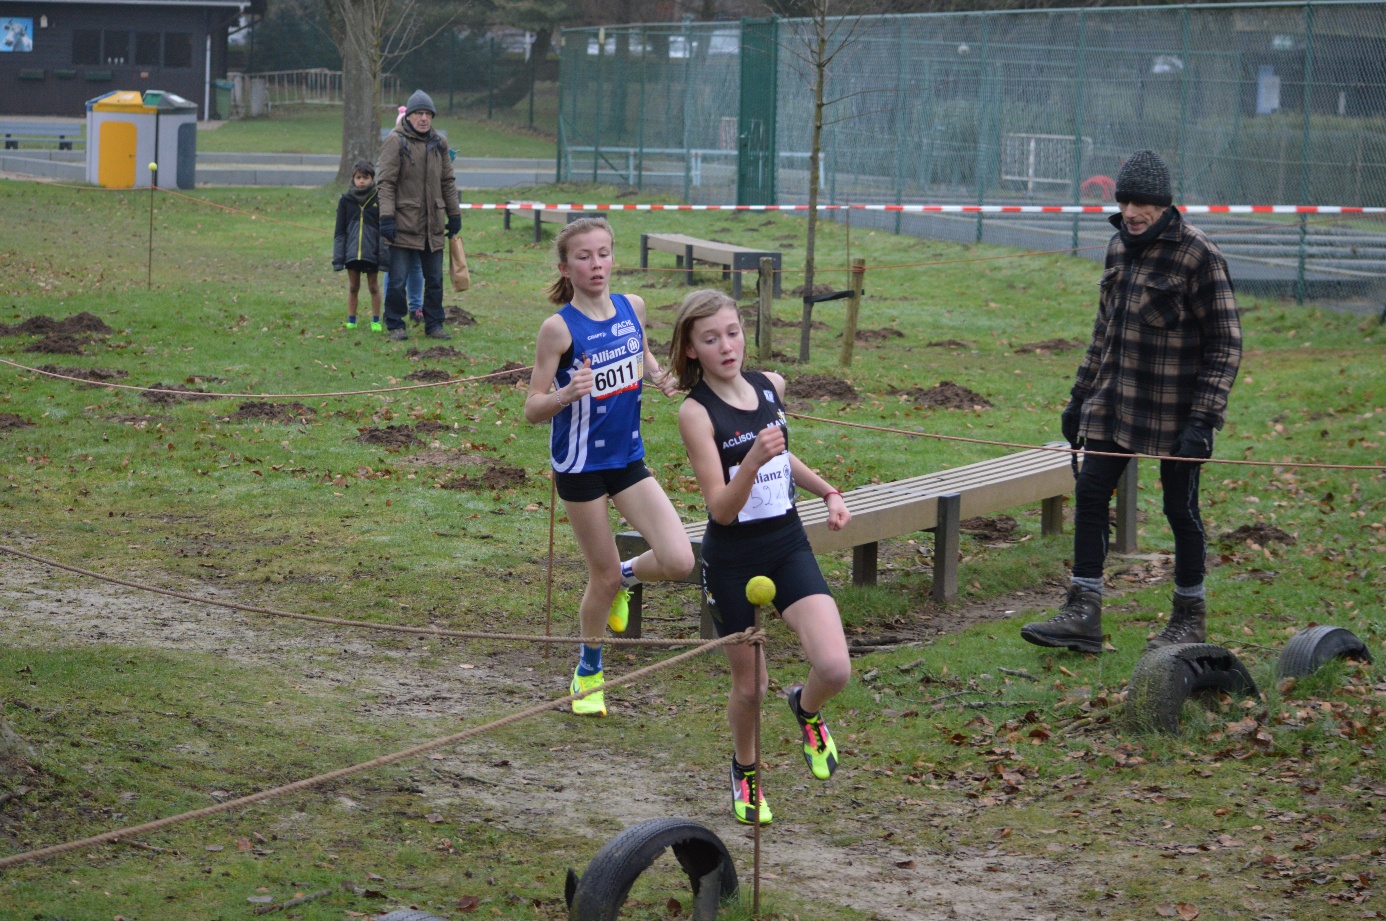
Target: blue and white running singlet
{"points": [[601, 431]]}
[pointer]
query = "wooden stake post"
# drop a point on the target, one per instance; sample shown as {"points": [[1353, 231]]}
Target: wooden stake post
{"points": [[849, 328]]}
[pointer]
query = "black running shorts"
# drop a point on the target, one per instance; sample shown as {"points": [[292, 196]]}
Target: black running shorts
{"points": [[730, 560]]}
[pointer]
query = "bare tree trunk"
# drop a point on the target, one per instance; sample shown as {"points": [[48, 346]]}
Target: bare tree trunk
{"points": [[820, 76], [357, 27]]}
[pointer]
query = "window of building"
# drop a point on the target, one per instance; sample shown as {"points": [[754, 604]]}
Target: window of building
{"points": [[178, 49], [147, 49], [115, 46], [86, 47]]}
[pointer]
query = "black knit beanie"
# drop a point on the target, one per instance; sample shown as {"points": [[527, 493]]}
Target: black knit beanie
{"points": [[1144, 179], [422, 102]]}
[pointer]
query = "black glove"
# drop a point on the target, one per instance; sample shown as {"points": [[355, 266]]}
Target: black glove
{"points": [[1195, 441], [1069, 421], [388, 229], [454, 224]]}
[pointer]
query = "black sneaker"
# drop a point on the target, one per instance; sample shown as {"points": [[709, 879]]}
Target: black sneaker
{"points": [[1077, 626], [437, 333]]}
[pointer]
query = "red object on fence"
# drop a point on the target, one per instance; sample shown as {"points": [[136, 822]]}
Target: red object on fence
{"points": [[1100, 187]]}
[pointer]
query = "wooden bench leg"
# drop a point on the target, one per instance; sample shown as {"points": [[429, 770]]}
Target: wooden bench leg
{"points": [[688, 265], [645, 252], [947, 537], [1126, 509], [506, 223], [637, 607], [1052, 516], [538, 220], [864, 564]]}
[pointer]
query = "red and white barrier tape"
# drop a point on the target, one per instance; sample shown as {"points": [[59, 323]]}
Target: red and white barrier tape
{"points": [[936, 209]]}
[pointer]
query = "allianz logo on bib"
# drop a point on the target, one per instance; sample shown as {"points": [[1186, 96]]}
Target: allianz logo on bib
{"points": [[624, 328], [606, 355]]}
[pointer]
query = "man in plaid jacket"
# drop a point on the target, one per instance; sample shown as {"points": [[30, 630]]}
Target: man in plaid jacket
{"points": [[1165, 350]]}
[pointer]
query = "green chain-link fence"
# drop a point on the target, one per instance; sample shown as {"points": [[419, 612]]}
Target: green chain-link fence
{"points": [[1280, 103]]}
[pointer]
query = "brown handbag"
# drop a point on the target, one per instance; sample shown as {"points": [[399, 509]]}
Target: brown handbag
{"points": [[457, 264]]}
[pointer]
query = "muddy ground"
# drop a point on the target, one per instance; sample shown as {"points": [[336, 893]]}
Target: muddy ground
{"points": [[396, 679]]}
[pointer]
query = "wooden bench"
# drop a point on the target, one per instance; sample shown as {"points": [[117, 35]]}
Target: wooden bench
{"points": [[18, 132], [544, 215], [734, 260], [935, 502]]}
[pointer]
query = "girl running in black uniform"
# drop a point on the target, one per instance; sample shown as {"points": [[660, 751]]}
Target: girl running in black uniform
{"points": [[733, 425]]}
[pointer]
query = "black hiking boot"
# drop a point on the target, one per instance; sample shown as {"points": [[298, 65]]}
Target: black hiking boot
{"points": [[1077, 626], [1186, 624]]}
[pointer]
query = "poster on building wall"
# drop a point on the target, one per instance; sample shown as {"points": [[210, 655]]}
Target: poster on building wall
{"points": [[16, 33]]}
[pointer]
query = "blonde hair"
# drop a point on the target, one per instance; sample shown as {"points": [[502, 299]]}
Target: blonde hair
{"points": [[696, 306], [561, 291]]}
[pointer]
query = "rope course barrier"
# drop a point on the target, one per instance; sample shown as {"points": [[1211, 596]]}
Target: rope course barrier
{"points": [[751, 636], [338, 622]]}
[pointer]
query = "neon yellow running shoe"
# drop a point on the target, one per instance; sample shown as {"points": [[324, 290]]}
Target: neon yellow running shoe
{"points": [[745, 790], [377, 326], [350, 324], [819, 750], [593, 704], [619, 618]]}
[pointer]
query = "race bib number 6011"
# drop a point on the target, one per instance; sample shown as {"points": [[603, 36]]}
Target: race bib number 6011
{"points": [[619, 377]]}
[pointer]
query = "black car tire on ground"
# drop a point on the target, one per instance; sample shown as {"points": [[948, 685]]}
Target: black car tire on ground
{"points": [[1165, 678], [602, 890], [1310, 649]]}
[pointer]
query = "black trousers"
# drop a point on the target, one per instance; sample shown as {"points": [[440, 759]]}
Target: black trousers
{"points": [[1091, 520], [396, 302]]}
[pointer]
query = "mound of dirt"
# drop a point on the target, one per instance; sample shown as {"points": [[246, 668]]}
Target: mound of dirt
{"points": [[84, 322], [519, 374], [33, 326], [11, 421], [435, 353], [494, 477], [390, 437], [428, 375], [780, 323], [820, 387], [286, 413], [86, 374], [817, 290], [877, 335], [430, 427], [162, 393], [58, 344], [458, 317], [945, 395], [949, 344], [1050, 345], [1261, 534], [1000, 528]]}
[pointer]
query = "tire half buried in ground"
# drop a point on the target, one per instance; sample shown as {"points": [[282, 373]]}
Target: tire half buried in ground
{"points": [[1165, 678], [602, 890], [1309, 650]]}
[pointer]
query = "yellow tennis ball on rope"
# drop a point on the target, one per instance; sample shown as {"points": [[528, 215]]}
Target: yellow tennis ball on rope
{"points": [[760, 590], [153, 166]]}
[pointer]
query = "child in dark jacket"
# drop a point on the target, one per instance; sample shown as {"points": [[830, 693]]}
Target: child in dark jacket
{"points": [[356, 244]]}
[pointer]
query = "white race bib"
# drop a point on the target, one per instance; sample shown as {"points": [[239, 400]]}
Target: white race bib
{"points": [[773, 492], [616, 378]]}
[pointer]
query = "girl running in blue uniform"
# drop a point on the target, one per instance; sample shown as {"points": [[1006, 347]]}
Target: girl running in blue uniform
{"points": [[590, 361], [733, 425]]}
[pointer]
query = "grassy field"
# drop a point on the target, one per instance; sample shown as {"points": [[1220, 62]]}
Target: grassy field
{"points": [[318, 130], [981, 776]]}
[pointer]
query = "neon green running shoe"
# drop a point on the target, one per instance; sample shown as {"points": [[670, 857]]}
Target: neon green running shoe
{"points": [[619, 618], [377, 326], [350, 324], [746, 790], [819, 750], [593, 704]]}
